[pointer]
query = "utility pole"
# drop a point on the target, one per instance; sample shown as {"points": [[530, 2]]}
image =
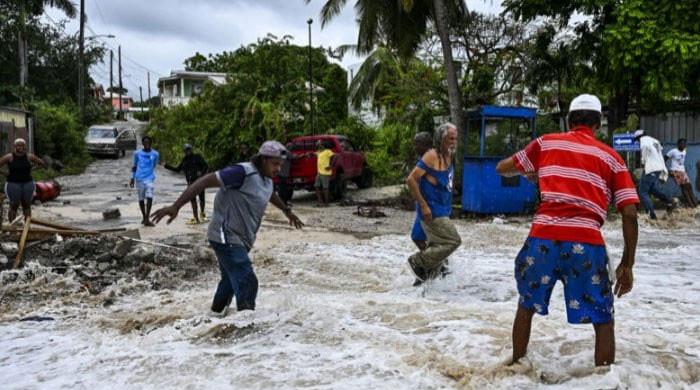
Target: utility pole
{"points": [[111, 83], [119, 115], [148, 76], [141, 96], [311, 83], [81, 60]]}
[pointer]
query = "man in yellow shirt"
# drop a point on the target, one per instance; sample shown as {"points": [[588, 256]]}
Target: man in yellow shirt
{"points": [[324, 158]]}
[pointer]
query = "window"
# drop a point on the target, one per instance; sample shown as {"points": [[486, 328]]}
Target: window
{"points": [[347, 146], [102, 132]]}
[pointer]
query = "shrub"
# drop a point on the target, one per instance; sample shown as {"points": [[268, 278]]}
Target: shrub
{"points": [[59, 135]]}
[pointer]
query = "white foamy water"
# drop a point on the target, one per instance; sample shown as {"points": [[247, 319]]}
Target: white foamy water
{"points": [[344, 316]]}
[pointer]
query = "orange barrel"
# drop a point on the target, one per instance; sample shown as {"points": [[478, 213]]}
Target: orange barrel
{"points": [[47, 190]]}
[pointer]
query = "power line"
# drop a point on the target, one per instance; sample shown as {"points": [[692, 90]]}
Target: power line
{"points": [[123, 55]]}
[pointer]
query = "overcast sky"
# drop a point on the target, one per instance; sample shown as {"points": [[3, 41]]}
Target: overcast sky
{"points": [[157, 35]]}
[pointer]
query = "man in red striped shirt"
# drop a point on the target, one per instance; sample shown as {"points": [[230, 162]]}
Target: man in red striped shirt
{"points": [[578, 177]]}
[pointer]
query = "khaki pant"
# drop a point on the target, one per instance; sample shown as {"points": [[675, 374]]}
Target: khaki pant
{"points": [[443, 239]]}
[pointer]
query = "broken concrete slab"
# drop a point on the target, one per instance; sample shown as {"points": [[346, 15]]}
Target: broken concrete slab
{"points": [[111, 214], [9, 248], [122, 249]]}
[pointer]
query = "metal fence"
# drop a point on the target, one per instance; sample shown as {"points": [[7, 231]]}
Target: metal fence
{"points": [[669, 127]]}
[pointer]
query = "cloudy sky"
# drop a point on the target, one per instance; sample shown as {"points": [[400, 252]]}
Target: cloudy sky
{"points": [[157, 35]]}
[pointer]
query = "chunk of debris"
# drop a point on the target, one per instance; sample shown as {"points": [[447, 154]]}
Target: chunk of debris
{"points": [[111, 214], [122, 249], [9, 248], [370, 212]]}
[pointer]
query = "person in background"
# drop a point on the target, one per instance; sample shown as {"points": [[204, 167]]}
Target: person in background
{"points": [[431, 184], [19, 185], [245, 189], [654, 174], [285, 188], [578, 177], [677, 158], [244, 152], [194, 166], [324, 163], [144, 177]]}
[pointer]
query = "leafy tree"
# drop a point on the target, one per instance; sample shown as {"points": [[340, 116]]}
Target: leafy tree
{"points": [[403, 25], [52, 63], [641, 52], [555, 69], [361, 135], [59, 134], [265, 97], [658, 44], [21, 11]]}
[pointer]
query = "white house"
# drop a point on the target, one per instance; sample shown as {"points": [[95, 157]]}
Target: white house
{"points": [[181, 85]]}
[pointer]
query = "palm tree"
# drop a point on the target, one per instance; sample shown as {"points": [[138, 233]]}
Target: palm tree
{"points": [[28, 8], [404, 24]]}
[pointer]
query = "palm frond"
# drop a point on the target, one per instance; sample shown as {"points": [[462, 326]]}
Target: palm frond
{"points": [[330, 10], [66, 6]]}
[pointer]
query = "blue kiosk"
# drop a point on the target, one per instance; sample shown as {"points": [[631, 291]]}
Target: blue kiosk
{"points": [[483, 190]]}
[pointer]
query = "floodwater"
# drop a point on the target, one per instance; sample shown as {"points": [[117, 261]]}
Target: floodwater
{"points": [[338, 312]]}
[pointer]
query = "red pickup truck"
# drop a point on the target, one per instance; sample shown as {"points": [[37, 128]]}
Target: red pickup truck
{"points": [[348, 165]]}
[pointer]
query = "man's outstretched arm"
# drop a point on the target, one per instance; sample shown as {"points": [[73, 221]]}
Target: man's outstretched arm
{"points": [[279, 203]]}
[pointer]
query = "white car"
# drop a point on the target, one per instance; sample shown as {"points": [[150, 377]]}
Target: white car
{"points": [[110, 140]]}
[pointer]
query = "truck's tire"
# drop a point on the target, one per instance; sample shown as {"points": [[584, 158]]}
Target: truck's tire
{"points": [[365, 179], [339, 186]]}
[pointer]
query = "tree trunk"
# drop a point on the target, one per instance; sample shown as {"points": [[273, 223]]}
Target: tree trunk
{"points": [[443, 29], [617, 110]]}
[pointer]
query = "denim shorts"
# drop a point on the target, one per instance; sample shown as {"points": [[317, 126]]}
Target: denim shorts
{"points": [[145, 189], [20, 192], [582, 268]]}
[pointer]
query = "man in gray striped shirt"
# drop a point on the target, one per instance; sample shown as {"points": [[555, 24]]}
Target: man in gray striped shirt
{"points": [[245, 189]]}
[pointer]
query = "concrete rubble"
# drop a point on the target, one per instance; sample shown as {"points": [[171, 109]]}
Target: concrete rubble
{"points": [[95, 264]]}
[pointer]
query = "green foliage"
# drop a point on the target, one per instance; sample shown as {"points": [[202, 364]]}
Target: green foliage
{"points": [[58, 133], [546, 124], [361, 135], [631, 124], [657, 42], [52, 61], [142, 116], [266, 97], [643, 52], [393, 154]]}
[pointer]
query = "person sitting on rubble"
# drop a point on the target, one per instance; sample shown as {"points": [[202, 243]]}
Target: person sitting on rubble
{"points": [[19, 187]]}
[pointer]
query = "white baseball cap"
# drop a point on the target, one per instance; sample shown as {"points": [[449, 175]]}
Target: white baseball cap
{"points": [[586, 102], [638, 133], [273, 149]]}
